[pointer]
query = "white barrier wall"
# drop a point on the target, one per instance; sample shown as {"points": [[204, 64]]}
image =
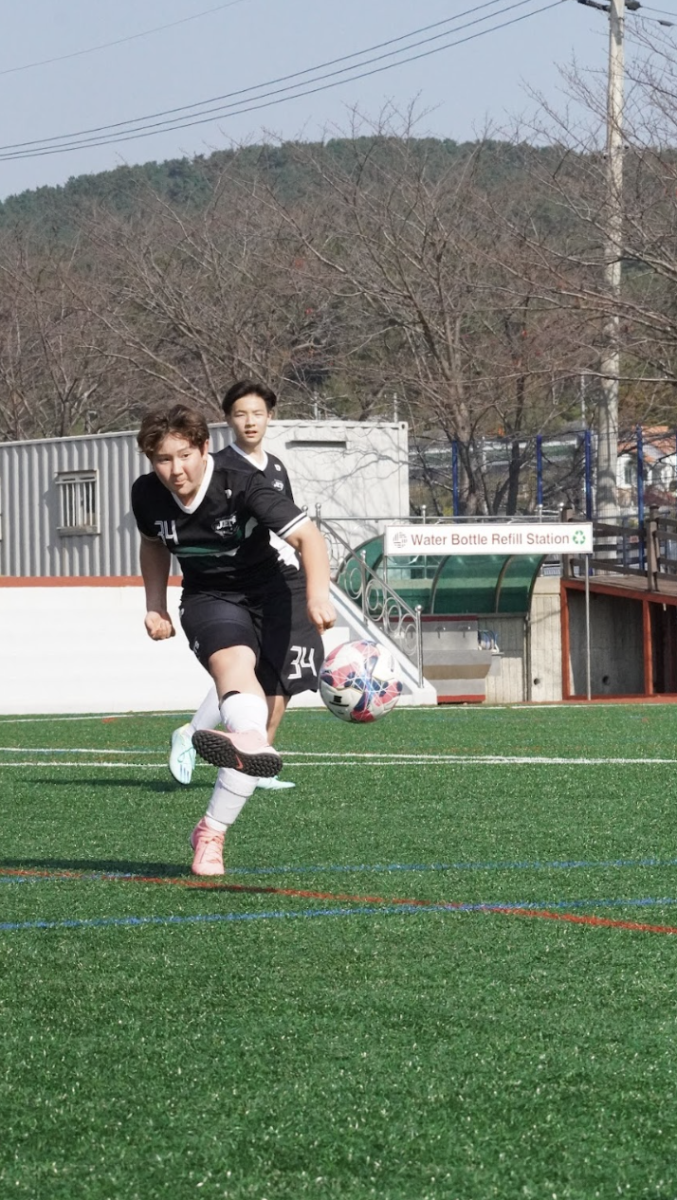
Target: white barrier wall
{"points": [[75, 649], [72, 647]]}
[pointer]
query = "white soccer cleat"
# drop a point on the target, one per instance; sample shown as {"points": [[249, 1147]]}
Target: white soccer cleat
{"points": [[274, 784], [182, 754]]}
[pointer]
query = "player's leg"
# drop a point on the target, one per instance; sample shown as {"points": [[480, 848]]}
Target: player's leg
{"points": [[243, 743], [222, 636], [182, 750], [277, 706], [208, 716], [291, 651], [231, 792], [242, 751]]}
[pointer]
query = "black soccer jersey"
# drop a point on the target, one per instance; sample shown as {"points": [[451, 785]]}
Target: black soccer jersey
{"points": [[276, 473], [274, 470], [221, 539]]}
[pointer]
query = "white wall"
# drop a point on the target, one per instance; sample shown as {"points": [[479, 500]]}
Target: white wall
{"points": [[82, 648], [546, 640], [512, 683]]}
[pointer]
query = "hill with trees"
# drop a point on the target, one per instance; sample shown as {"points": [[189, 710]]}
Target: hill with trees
{"points": [[459, 284]]}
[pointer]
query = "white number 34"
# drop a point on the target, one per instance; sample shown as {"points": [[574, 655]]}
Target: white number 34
{"points": [[303, 659]]}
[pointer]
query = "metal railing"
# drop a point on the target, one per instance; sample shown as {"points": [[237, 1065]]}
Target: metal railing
{"points": [[374, 597], [646, 550]]}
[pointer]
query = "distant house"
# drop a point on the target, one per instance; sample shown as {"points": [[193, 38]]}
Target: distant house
{"points": [[659, 450]]}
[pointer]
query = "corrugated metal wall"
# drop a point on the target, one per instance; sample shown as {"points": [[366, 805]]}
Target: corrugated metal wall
{"points": [[350, 468]]}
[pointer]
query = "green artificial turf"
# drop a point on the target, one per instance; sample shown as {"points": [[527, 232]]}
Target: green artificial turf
{"points": [[349, 1012]]}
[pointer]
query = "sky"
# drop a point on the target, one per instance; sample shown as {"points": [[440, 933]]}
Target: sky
{"points": [[70, 67]]}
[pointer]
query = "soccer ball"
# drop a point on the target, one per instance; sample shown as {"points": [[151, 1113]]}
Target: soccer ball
{"points": [[359, 682]]}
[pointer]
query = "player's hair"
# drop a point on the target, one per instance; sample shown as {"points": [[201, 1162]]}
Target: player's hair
{"points": [[248, 387], [180, 420]]}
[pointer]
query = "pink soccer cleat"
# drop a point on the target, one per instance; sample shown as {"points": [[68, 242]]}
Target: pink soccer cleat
{"points": [[208, 846], [247, 752]]}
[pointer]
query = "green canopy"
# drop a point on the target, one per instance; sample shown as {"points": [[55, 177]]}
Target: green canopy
{"points": [[452, 585]]}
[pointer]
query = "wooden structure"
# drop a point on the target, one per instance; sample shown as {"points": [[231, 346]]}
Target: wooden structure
{"points": [[633, 612]]}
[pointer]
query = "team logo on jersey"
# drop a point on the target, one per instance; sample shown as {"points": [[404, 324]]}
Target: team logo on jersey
{"points": [[225, 526], [278, 485], [278, 467]]}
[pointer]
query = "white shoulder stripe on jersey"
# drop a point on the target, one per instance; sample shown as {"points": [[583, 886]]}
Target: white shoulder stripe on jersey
{"points": [[292, 526]]}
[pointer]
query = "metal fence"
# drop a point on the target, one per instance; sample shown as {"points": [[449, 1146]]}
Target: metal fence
{"points": [[377, 601]]}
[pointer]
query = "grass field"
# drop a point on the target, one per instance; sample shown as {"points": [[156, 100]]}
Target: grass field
{"points": [[444, 965]]}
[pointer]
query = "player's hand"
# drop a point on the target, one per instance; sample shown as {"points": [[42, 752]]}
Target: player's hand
{"points": [[322, 614], [159, 626]]}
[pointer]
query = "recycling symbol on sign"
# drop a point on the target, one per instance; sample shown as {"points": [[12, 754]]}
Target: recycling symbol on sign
{"points": [[579, 537]]}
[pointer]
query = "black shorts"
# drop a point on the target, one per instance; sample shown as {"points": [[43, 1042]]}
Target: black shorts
{"points": [[272, 620]]}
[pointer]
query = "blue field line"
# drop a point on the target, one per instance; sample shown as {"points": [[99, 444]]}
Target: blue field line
{"points": [[369, 910], [216, 918]]}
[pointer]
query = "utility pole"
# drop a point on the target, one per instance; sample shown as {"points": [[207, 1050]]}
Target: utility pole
{"points": [[607, 453]]}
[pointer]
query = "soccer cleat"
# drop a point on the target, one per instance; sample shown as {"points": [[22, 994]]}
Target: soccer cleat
{"points": [[247, 752], [274, 784], [208, 846], [182, 754]]}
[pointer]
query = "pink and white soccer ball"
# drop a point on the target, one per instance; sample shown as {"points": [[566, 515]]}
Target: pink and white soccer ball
{"points": [[359, 682]]}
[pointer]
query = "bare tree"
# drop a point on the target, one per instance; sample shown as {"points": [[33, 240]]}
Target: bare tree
{"points": [[51, 370], [404, 242]]}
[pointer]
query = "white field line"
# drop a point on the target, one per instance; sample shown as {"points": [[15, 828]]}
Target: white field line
{"points": [[468, 759], [426, 711], [69, 750], [329, 757], [80, 763], [126, 716], [326, 759]]}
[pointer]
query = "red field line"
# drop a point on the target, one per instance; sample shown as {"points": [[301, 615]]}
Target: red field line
{"points": [[213, 885], [578, 919], [306, 894]]}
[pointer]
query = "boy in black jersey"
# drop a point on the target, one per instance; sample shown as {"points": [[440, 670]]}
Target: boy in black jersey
{"points": [[248, 407], [250, 619]]}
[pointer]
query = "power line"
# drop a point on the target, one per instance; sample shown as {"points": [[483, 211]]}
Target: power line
{"points": [[185, 108], [132, 37], [665, 12], [44, 147]]}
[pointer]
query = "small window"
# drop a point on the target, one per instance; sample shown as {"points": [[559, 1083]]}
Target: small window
{"points": [[78, 502]]}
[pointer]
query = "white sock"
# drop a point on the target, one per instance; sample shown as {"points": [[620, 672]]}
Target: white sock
{"points": [[231, 792], [243, 711], [240, 712], [208, 715]]}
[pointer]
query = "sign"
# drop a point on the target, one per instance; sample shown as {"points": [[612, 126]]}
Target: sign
{"points": [[501, 537]]}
